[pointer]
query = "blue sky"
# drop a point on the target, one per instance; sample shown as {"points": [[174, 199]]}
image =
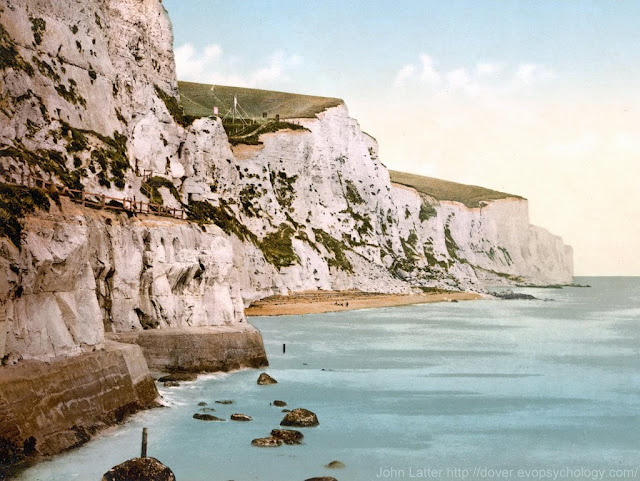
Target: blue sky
{"points": [[538, 98]]}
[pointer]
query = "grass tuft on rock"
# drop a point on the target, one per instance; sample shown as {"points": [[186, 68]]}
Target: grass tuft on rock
{"points": [[16, 202]]}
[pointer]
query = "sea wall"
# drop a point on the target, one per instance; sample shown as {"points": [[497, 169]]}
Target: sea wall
{"points": [[48, 407], [199, 349]]}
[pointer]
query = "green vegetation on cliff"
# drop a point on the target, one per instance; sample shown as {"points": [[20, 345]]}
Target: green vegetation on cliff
{"points": [[469, 195], [15, 203]]}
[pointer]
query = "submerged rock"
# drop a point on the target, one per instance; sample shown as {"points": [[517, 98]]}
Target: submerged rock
{"points": [[139, 469], [269, 442], [207, 410], [300, 417], [206, 417], [323, 478], [288, 436], [286, 410], [280, 404], [335, 465], [264, 379], [202, 403], [241, 417], [179, 376], [225, 401]]}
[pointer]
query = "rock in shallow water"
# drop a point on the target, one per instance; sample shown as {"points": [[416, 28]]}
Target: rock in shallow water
{"points": [[280, 404], [179, 376], [206, 417], [288, 436], [264, 379], [269, 442], [323, 478], [335, 465], [139, 469], [171, 384], [225, 401], [301, 418], [241, 417]]}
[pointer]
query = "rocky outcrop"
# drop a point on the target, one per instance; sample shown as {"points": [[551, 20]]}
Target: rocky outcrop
{"points": [[48, 407], [140, 469]]}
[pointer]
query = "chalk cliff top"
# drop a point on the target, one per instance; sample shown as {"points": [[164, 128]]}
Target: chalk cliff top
{"points": [[469, 195], [198, 100]]}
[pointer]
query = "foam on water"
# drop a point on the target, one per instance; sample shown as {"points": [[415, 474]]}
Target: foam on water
{"points": [[493, 384]]}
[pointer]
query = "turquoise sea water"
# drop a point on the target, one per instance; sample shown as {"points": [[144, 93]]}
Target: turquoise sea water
{"points": [[469, 390]]}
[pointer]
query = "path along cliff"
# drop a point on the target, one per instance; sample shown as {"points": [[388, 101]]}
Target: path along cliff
{"points": [[90, 101]]}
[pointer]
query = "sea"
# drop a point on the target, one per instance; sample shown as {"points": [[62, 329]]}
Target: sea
{"points": [[545, 389]]}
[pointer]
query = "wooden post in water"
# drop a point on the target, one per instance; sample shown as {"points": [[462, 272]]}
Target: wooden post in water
{"points": [[284, 348], [143, 454]]}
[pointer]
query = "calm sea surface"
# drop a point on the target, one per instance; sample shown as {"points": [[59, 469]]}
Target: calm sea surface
{"points": [[470, 390]]}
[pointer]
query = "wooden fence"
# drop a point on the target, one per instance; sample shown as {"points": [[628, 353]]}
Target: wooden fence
{"points": [[101, 201]]}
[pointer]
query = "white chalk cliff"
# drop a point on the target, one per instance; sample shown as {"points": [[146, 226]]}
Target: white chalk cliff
{"points": [[89, 96]]}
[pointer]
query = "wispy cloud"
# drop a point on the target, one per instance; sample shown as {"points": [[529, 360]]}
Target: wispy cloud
{"points": [[483, 78], [211, 65]]}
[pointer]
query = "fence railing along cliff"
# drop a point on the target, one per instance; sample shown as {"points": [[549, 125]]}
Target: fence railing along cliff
{"points": [[100, 201]]}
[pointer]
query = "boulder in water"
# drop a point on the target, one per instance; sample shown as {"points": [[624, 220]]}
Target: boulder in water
{"points": [[139, 469], [179, 376], [269, 442], [264, 379], [206, 417], [288, 436], [280, 404], [335, 465], [241, 417], [301, 418]]}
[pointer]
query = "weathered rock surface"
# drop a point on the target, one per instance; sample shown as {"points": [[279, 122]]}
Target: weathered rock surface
{"points": [[269, 442], [302, 418], [264, 379], [46, 408], [288, 436], [206, 417], [241, 417], [140, 469]]}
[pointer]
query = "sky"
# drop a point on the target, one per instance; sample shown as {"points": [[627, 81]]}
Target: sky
{"points": [[536, 98]]}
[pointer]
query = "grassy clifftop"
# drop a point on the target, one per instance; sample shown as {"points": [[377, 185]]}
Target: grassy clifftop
{"points": [[469, 195], [198, 100]]}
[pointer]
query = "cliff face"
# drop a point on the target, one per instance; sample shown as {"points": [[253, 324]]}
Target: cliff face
{"points": [[90, 100], [320, 200], [80, 274]]}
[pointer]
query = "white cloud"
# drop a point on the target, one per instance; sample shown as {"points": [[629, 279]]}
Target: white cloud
{"points": [[489, 79], [488, 69], [210, 65], [530, 73], [429, 73], [404, 74]]}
